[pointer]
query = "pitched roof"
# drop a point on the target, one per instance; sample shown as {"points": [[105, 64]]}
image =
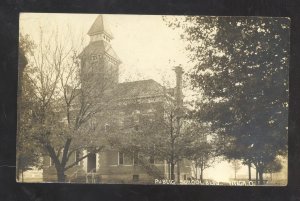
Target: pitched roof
{"points": [[100, 26], [99, 47], [139, 89]]}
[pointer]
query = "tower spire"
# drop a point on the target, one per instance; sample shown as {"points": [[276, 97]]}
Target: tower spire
{"points": [[100, 30]]}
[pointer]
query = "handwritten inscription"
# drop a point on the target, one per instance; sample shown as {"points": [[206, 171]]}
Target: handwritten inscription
{"points": [[198, 182]]}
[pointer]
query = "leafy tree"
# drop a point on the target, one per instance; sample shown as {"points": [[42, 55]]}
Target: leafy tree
{"points": [[241, 67], [67, 102], [273, 167], [201, 150], [236, 165], [161, 133], [26, 156], [172, 139]]}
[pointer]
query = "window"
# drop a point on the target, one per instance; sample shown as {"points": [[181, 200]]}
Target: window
{"points": [[121, 119], [94, 58], [135, 158], [106, 127], [120, 158], [135, 178], [150, 111], [151, 159], [203, 138], [150, 114], [93, 38], [92, 123], [136, 116], [77, 156], [136, 127], [50, 161]]}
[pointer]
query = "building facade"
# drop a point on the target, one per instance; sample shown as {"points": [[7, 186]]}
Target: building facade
{"points": [[133, 109]]}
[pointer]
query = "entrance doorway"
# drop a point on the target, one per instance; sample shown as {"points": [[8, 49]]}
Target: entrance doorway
{"points": [[91, 163]]}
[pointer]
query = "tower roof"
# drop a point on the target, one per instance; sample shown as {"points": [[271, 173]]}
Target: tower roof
{"points": [[99, 47], [100, 26]]}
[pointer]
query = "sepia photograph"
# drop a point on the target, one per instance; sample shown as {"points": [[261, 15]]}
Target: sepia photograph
{"points": [[153, 99]]}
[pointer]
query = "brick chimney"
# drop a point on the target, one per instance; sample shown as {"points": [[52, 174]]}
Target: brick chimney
{"points": [[178, 92]]}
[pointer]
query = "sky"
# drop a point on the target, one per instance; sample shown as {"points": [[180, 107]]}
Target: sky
{"points": [[147, 47]]}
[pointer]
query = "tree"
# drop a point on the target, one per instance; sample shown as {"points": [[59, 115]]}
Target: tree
{"points": [[201, 150], [241, 67], [172, 140], [159, 133], [26, 156], [67, 102], [273, 166], [236, 165]]}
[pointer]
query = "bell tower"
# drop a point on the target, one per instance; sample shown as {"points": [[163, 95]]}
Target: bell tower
{"points": [[99, 61]]}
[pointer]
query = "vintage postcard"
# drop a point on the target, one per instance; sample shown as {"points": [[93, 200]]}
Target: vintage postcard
{"points": [[151, 99]]}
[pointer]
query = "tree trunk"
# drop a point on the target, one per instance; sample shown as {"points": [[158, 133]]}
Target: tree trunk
{"points": [[22, 172], [59, 166], [178, 172], [261, 178], [172, 171], [60, 175], [169, 170], [256, 176], [201, 174], [249, 171], [18, 171]]}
